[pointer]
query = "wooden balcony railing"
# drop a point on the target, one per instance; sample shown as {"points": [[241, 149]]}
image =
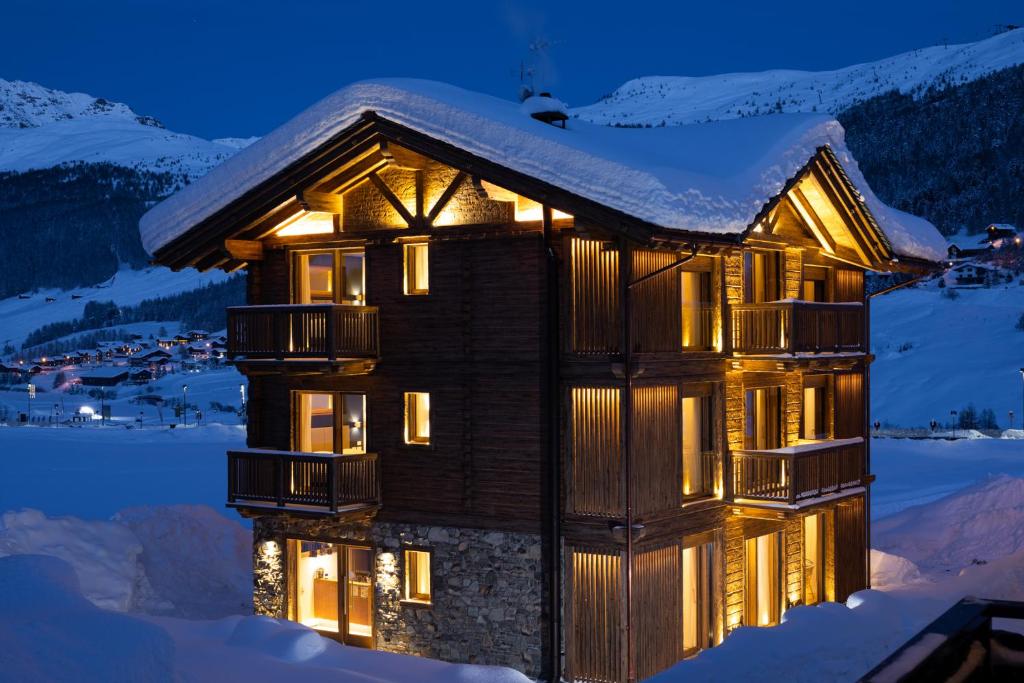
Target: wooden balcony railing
{"points": [[304, 480], [789, 475], [327, 331], [798, 327]]}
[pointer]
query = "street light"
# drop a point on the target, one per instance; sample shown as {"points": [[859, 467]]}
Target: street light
{"points": [[184, 403], [241, 390]]}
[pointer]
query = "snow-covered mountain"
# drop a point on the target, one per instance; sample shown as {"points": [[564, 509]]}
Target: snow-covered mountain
{"points": [[677, 100], [41, 127]]}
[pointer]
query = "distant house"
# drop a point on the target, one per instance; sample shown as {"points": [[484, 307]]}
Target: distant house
{"points": [[1000, 234], [142, 376], [181, 339], [11, 372], [166, 343], [104, 377], [974, 273], [198, 335], [955, 252]]}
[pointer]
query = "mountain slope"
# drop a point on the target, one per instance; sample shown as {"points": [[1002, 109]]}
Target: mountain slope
{"points": [[678, 100], [41, 127]]}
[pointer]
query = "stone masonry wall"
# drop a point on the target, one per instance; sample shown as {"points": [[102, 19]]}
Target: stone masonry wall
{"points": [[486, 587]]}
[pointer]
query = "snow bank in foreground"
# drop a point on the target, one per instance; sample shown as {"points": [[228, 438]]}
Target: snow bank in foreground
{"points": [[52, 633], [184, 560]]}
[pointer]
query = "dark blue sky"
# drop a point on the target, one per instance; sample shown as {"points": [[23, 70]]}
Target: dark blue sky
{"points": [[218, 68]]}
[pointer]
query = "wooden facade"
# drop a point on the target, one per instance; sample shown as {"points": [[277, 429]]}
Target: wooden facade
{"points": [[680, 417]]}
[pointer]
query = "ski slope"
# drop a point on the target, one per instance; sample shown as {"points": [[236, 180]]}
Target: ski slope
{"points": [[678, 100]]}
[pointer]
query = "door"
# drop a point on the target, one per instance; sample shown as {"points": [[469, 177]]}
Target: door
{"points": [[332, 589], [358, 596]]}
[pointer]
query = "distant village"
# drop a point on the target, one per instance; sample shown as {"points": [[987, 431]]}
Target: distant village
{"points": [[129, 361], [992, 258]]}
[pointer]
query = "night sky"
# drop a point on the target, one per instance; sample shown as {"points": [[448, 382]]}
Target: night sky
{"points": [[216, 68]]}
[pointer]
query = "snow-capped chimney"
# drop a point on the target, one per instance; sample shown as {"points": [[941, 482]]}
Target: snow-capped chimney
{"points": [[546, 108]]}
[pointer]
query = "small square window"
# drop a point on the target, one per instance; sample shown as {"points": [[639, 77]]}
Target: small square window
{"points": [[417, 576], [417, 417], [417, 269]]}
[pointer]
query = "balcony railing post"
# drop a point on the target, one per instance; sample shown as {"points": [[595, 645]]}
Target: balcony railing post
{"points": [[232, 467], [279, 480], [791, 464], [278, 323], [332, 484], [333, 319]]}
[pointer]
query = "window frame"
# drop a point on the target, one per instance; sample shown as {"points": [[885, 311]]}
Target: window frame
{"points": [[707, 544], [709, 394], [338, 400], [824, 408], [751, 584], [407, 417], [773, 258], [409, 268], [294, 257], [411, 601], [750, 418]]}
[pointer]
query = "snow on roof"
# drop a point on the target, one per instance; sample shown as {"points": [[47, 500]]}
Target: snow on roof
{"points": [[711, 177]]}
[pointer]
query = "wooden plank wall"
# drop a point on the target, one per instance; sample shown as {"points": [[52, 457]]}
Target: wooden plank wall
{"points": [[849, 284], [474, 344], [594, 297]]}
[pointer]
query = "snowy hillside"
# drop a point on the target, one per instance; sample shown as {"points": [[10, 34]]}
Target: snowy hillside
{"points": [[41, 127], [936, 354], [677, 100], [20, 316]]}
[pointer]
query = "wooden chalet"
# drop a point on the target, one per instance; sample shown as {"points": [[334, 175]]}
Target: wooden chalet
{"points": [[496, 417]]}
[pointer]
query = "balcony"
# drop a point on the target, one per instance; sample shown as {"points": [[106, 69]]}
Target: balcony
{"points": [[328, 333], [323, 483], [791, 475], [793, 326]]}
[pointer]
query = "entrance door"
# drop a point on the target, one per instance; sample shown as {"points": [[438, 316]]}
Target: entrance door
{"points": [[332, 589]]}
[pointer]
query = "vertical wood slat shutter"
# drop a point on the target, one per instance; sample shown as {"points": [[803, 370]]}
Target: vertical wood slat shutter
{"points": [[657, 449], [849, 405], [849, 284], [594, 287], [595, 452], [850, 548], [595, 634], [658, 609], [657, 306]]}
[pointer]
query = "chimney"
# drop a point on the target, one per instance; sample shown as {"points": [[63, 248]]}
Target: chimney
{"points": [[546, 108]]}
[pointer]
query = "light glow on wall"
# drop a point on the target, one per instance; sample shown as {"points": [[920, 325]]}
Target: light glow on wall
{"points": [[306, 223]]}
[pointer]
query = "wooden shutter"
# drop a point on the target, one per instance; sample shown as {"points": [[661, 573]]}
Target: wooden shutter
{"points": [[594, 286], [849, 285], [657, 449], [656, 324], [850, 548], [849, 405], [595, 624], [596, 452], [658, 609]]}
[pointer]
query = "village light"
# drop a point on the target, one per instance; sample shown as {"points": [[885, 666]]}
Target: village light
{"points": [[184, 403]]}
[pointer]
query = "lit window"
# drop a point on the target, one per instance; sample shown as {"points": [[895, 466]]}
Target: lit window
{"points": [[417, 576], [814, 425], [316, 423], [763, 411], [697, 309], [417, 268], [353, 425], [698, 600], [763, 580], [699, 452], [326, 277], [814, 558], [417, 417]]}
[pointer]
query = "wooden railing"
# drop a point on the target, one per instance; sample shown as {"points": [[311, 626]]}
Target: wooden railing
{"points": [[798, 327], [329, 331], [788, 475], [289, 479]]}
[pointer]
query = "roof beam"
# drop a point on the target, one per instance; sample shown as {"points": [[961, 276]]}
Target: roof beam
{"points": [[394, 201], [313, 200], [403, 158], [244, 250], [812, 219], [445, 197]]}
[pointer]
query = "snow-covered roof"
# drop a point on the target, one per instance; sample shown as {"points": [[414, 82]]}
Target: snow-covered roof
{"points": [[711, 177]]}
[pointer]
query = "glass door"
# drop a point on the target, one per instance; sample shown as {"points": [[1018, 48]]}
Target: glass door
{"points": [[358, 596], [330, 277]]}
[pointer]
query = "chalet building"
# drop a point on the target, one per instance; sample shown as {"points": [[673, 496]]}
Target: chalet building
{"points": [[576, 401]]}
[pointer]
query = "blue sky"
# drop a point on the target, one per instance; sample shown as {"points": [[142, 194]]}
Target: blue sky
{"points": [[217, 68]]}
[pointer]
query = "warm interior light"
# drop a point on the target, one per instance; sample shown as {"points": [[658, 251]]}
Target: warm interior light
{"points": [[306, 223]]}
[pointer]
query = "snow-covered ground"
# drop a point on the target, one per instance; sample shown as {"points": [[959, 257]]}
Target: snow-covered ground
{"points": [[936, 354], [679, 100]]}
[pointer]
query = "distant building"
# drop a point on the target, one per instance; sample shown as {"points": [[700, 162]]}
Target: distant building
{"points": [[140, 376], [973, 273], [104, 377], [198, 335]]}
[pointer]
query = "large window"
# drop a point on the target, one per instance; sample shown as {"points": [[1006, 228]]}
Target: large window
{"points": [[697, 309], [699, 451], [417, 268], [762, 274], [698, 598], [814, 421], [330, 422], [417, 417], [417, 576], [763, 580], [763, 413], [329, 277], [332, 588], [814, 558]]}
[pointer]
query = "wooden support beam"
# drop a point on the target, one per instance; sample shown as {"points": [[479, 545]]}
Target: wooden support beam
{"points": [[812, 219], [313, 200], [445, 197], [863, 232], [400, 157], [394, 201], [244, 250]]}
